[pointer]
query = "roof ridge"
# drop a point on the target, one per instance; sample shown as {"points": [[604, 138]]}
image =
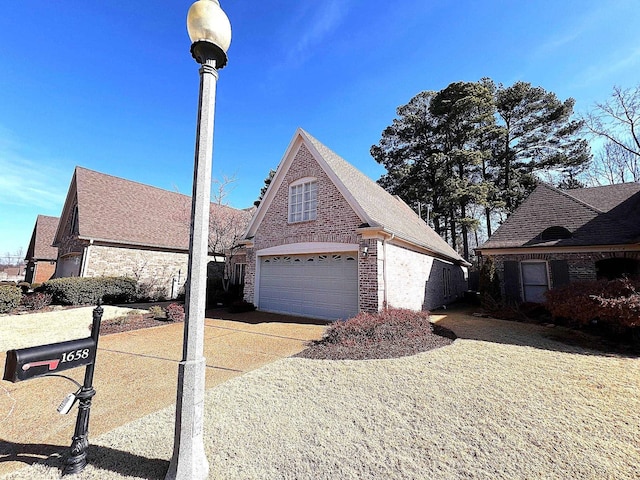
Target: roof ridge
{"points": [[411, 227], [126, 180], [568, 195]]}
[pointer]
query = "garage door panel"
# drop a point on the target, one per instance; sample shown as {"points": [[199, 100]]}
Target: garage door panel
{"points": [[321, 286]]}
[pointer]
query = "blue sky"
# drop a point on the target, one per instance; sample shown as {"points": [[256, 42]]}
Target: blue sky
{"points": [[111, 86]]}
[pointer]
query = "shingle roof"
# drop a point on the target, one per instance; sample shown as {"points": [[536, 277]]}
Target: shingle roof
{"points": [[44, 231], [381, 208], [121, 211], [607, 215]]}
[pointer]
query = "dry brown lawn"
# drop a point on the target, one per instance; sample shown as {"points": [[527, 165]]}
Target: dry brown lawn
{"points": [[504, 401]]}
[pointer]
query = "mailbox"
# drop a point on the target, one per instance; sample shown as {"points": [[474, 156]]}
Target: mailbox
{"points": [[33, 362], [26, 363]]}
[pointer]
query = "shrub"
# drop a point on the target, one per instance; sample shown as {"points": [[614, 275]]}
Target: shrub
{"points": [[10, 297], [156, 311], [150, 292], [387, 325], [175, 312], [36, 300], [24, 286], [80, 291], [489, 286], [616, 302], [240, 306]]}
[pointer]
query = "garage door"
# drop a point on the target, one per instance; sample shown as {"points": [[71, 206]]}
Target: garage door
{"points": [[320, 286]]}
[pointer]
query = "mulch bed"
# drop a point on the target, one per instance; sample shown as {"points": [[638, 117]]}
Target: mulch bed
{"points": [[130, 322], [397, 347]]}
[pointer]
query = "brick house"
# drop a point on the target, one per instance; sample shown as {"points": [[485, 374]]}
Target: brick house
{"points": [[328, 242], [42, 255], [110, 226], [561, 236]]}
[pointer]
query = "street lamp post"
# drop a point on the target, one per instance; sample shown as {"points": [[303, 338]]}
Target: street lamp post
{"points": [[210, 33]]}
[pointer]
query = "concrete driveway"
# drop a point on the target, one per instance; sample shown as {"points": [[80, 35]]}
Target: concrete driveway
{"points": [[136, 374]]}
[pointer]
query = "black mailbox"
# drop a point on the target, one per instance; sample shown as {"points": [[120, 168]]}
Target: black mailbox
{"points": [[26, 363]]}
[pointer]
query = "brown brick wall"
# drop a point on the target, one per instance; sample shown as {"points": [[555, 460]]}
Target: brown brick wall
{"points": [[582, 266], [44, 270]]}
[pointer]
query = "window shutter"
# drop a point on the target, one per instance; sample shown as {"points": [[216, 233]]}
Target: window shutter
{"points": [[559, 273], [511, 281]]}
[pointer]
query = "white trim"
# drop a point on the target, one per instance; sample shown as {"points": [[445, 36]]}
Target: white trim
{"points": [[303, 180], [586, 249], [306, 185], [308, 247]]}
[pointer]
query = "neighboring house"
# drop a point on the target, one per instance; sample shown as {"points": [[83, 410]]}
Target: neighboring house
{"points": [[328, 242], [42, 255], [561, 236], [13, 274], [110, 226]]}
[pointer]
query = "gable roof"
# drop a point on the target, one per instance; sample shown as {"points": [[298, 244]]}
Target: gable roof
{"points": [[608, 215], [120, 211], [41, 244], [373, 204]]}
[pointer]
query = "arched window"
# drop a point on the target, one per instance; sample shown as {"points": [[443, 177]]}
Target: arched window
{"points": [[555, 233], [303, 200]]}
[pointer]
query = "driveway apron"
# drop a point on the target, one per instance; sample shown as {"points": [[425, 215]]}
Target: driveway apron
{"points": [[136, 374]]}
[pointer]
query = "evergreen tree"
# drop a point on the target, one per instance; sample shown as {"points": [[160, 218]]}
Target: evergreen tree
{"points": [[475, 144], [263, 190]]}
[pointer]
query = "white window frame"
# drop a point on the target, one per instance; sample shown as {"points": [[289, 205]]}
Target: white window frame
{"points": [[522, 284], [303, 200]]}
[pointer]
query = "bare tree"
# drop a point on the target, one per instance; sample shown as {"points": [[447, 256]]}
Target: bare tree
{"points": [[227, 226], [613, 164], [222, 188], [617, 121]]}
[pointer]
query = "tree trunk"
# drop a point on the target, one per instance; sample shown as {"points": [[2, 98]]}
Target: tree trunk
{"points": [[487, 213]]}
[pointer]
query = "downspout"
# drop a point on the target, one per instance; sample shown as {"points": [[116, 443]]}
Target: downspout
{"points": [[384, 268], [85, 259]]}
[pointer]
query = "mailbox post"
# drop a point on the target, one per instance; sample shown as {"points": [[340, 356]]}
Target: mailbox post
{"points": [[47, 360], [77, 458]]}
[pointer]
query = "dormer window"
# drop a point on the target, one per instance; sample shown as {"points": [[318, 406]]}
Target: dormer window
{"points": [[303, 200], [555, 233]]}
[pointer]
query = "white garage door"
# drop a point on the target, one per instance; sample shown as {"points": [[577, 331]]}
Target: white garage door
{"points": [[320, 286]]}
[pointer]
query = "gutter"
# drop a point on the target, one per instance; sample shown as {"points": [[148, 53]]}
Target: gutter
{"points": [[85, 259], [384, 267]]}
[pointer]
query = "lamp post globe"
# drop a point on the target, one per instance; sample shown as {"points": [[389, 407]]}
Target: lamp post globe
{"points": [[210, 33]]}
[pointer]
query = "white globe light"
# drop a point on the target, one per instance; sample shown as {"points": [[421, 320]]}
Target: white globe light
{"points": [[206, 21]]}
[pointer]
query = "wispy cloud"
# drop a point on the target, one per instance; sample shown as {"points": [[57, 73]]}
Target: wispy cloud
{"points": [[29, 182], [610, 67], [313, 24], [571, 32]]}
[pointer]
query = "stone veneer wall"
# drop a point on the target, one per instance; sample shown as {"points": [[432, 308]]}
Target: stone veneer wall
{"points": [[152, 267], [582, 266]]}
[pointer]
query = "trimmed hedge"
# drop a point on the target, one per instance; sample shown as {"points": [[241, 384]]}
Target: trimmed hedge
{"points": [[82, 291], [10, 297]]}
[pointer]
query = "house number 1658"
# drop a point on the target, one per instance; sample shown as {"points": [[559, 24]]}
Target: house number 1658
{"points": [[75, 355]]}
